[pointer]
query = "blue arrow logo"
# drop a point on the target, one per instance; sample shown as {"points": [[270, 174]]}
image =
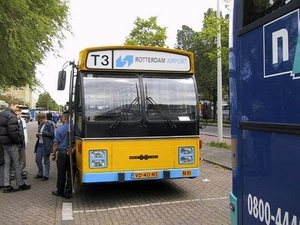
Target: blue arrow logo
{"points": [[127, 59]]}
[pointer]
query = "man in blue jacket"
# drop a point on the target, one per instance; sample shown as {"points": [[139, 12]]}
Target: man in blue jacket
{"points": [[61, 150], [11, 138]]}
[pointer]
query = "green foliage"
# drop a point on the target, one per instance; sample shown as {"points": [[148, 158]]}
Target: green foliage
{"points": [[186, 39], [29, 29], [219, 145], [209, 33], [45, 101], [8, 98], [207, 55], [147, 33], [204, 46]]}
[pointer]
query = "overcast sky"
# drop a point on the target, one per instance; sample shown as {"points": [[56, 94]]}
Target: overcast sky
{"points": [[100, 23]]}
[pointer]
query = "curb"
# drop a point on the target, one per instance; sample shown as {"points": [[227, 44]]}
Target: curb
{"points": [[216, 163], [213, 135]]}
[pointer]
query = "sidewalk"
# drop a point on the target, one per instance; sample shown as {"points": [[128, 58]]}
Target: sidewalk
{"points": [[217, 156]]}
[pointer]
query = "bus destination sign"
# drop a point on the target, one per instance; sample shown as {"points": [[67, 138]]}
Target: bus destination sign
{"points": [[138, 60]]}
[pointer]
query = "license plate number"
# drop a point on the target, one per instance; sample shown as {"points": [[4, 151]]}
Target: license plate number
{"points": [[186, 172], [144, 175]]}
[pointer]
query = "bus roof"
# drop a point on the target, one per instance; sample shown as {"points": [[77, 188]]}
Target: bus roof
{"points": [[136, 58], [23, 107]]}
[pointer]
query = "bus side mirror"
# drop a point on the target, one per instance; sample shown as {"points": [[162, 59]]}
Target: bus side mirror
{"points": [[206, 110], [61, 81]]}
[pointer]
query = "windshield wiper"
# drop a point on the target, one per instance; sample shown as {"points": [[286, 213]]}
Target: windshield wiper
{"points": [[161, 112], [120, 118]]}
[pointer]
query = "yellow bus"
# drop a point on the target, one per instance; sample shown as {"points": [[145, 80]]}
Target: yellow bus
{"points": [[135, 114]]}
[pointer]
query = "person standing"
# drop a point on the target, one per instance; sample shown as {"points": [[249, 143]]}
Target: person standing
{"points": [[61, 151], [55, 118], [1, 166], [11, 139], [43, 146], [23, 146], [49, 116]]}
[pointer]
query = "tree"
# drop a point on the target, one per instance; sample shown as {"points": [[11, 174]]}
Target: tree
{"points": [[186, 38], [29, 29], [45, 101], [8, 98], [147, 33], [206, 56]]}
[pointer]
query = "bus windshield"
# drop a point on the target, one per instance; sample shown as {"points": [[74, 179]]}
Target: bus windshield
{"points": [[118, 98], [170, 97], [109, 97]]}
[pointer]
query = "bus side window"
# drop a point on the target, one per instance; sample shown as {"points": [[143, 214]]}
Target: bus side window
{"points": [[254, 10]]}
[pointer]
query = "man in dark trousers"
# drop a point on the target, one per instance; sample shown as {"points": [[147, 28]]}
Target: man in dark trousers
{"points": [[11, 138], [61, 151], [1, 166], [49, 116]]}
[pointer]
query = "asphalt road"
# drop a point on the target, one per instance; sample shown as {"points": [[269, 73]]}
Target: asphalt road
{"points": [[213, 130]]}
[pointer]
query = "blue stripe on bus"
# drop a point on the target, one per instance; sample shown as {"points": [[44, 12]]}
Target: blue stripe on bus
{"points": [[128, 175]]}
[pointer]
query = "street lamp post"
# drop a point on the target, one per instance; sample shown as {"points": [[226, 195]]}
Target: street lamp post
{"points": [[219, 77]]}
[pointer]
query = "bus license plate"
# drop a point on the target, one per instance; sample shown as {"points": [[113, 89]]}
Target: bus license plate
{"points": [[144, 175], [186, 173]]}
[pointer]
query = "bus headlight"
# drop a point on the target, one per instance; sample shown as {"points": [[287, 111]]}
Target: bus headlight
{"points": [[187, 159], [186, 150], [98, 154], [186, 155], [98, 158], [98, 163]]}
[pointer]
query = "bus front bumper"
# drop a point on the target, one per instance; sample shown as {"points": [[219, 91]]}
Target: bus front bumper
{"points": [[140, 175]]}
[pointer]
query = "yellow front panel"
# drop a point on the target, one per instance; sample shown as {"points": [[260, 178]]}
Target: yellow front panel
{"points": [[143, 154], [128, 155]]}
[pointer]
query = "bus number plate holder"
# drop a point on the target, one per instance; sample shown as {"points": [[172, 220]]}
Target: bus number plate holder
{"points": [[145, 175], [186, 173]]}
